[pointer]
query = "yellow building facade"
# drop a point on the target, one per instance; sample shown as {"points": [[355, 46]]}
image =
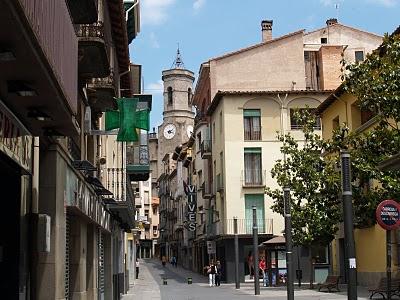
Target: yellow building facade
{"points": [[341, 108]]}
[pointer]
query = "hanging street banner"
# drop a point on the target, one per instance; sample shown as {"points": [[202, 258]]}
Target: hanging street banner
{"points": [[388, 214], [192, 207]]}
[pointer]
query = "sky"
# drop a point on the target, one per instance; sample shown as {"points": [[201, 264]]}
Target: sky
{"points": [[208, 28]]}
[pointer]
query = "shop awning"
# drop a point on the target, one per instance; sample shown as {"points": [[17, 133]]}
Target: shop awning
{"points": [[278, 240]]}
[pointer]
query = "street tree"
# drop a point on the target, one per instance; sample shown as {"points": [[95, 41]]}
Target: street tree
{"points": [[376, 84], [314, 183]]}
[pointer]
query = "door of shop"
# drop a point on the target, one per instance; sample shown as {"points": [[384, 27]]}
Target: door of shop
{"points": [[10, 266]]}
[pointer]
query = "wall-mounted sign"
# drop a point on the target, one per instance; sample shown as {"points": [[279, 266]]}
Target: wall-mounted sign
{"points": [[211, 247], [15, 139], [388, 214], [192, 207]]}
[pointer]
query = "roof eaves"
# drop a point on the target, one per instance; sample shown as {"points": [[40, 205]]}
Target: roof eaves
{"points": [[330, 100]]}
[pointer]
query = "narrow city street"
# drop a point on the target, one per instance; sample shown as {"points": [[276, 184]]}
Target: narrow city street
{"points": [[150, 286]]}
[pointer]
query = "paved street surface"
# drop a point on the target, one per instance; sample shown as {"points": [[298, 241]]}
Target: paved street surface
{"points": [[150, 286]]}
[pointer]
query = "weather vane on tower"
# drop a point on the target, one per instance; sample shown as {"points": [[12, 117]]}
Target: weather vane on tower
{"points": [[178, 62]]}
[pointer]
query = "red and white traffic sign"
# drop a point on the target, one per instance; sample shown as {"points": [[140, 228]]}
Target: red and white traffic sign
{"points": [[388, 214]]}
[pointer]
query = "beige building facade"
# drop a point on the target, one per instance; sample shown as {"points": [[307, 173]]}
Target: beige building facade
{"points": [[243, 99]]}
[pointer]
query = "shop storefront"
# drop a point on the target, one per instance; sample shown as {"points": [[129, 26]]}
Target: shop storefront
{"points": [[15, 183]]}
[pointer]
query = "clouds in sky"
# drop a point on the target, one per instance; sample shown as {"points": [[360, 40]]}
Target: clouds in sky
{"points": [[198, 4], [154, 41], [154, 12], [155, 87]]}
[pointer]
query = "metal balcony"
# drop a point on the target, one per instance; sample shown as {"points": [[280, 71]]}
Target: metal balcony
{"points": [[101, 93], [137, 162], [93, 51], [206, 190], [205, 149], [83, 11], [245, 226]]}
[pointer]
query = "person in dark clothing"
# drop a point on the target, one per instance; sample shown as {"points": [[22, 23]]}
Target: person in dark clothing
{"points": [[137, 268], [218, 275]]}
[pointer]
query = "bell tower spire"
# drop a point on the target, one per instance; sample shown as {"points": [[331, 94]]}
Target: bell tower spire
{"points": [[178, 62]]}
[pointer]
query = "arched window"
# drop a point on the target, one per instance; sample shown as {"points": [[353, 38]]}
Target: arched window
{"points": [[169, 90], [189, 96]]}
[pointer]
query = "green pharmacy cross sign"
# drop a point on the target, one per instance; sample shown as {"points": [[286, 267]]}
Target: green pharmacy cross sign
{"points": [[128, 119]]}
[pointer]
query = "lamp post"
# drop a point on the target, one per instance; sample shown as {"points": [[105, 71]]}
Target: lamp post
{"points": [[347, 198], [255, 251], [235, 230], [289, 243]]}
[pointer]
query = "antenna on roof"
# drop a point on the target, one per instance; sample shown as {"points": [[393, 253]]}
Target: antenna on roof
{"points": [[178, 62], [337, 10]]}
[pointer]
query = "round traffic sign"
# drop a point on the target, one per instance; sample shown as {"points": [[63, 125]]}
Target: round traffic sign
{"points": [[388, 214]]}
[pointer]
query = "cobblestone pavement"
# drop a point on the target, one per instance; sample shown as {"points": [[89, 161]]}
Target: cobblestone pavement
{"points": [[150, 286]]}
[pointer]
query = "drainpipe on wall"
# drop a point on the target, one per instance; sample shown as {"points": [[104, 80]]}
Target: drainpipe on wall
{"points": [[35, 177]]}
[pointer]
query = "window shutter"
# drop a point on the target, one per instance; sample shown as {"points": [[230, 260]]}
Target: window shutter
{"points": [[252, 150], [251, 113]]}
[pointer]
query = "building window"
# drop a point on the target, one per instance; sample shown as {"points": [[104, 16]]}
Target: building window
{"points": [[359, 56], [154, 210], [169, 91], [335, 123], [294, 123], [324, 40], [320, 254], [189, 97], [154, 230], [252, 166], [252, 124]]}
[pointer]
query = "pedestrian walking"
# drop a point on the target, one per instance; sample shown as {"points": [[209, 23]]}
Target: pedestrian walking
{"points": [[174, 262], [211, 271], [263, 268], [137, 268], [250, 264], [163, 260], [218, 274]]}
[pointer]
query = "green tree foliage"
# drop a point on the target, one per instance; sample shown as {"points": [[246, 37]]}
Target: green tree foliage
{"points": [[376, 85], [314, 183]]}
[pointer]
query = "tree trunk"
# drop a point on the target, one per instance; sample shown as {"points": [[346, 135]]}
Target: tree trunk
{"points": [[311, 269]]}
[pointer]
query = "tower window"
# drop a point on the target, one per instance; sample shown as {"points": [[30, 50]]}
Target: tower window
{"points": [[189, 96], [324, 41], [169, 90]]}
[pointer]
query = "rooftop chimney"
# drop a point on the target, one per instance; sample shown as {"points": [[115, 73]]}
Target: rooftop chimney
{"points": [[266, 30], [331, 21]]}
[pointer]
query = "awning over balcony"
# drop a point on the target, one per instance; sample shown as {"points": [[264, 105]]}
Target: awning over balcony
{"points": [[122, 214]]}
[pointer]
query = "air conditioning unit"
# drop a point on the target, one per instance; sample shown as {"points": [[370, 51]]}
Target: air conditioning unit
{"points": [[88, 121]]}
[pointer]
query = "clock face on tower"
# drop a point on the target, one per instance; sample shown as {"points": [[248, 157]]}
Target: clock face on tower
{"points": [[189, 130], [169, 131]]}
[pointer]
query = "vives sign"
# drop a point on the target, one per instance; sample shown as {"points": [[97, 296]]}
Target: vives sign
{"points": [[192, 207]]}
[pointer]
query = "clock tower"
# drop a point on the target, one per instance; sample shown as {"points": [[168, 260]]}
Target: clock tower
{"points": [[178, 116]]}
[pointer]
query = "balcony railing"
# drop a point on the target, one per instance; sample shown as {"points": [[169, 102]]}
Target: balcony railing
{"points": [[116, 182], [214, 229], [252, 135], [205, 148], [137, 155], [101, 93], [253, 178], [206, 190], [137, 162], [52, 26], [93, 49], [245, 226]]}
